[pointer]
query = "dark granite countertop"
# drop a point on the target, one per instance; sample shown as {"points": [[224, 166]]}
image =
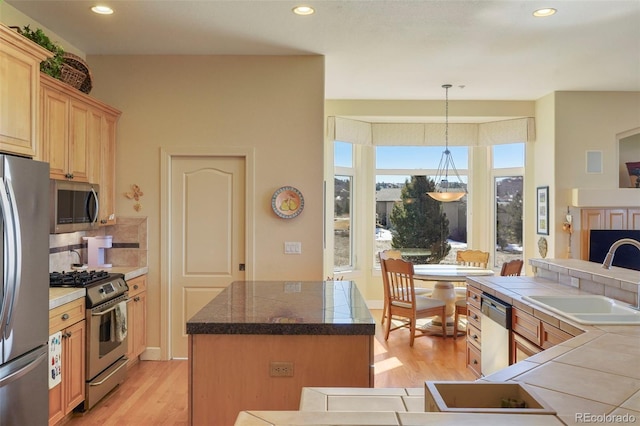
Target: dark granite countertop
{"points": [[285, 307]]}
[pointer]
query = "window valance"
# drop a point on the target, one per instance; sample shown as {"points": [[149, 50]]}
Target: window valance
{"points": [[416, 134]]}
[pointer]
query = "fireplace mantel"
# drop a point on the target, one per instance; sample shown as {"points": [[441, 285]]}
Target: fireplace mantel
{"points": [[619, 197]]}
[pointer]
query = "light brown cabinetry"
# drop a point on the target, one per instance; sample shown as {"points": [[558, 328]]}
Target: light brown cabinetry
{"points": [[78, 140], [70, 320], [473, 330], [619, 218], [19, 88], [530, 335], [137, 318]]}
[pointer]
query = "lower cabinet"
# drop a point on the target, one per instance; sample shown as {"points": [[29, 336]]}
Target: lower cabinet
{"points": [[521, 348], [530, 335], [137, 318], [70, 392], [473, 330]]}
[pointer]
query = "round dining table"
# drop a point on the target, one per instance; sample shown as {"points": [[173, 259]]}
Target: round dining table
{"points": [[445, 276]]}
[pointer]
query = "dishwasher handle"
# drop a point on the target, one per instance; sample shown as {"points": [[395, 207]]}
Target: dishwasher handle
{"points": [[496, 310]]}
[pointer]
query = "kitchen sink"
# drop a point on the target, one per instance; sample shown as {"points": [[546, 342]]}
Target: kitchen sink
{"points": [[589, 309]]}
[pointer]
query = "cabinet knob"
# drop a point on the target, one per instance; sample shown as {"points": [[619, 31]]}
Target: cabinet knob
{"points": [[475, 317], [136, 299], [475, 361], [135, 286], [66, 335], [474, 337], [65, 317]]}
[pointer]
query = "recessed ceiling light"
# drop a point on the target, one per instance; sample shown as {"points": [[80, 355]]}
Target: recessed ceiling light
{"points": [[547, 11], [303, 10], [102, 10]]}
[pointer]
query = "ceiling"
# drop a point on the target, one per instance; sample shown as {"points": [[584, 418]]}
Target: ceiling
{"points": [[382, 49]]}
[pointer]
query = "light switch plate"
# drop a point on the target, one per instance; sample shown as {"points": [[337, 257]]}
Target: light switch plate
{"points": [[292, 247]]}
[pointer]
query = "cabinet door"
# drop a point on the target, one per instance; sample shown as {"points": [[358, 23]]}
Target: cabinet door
{"points": [[473, 359], [55, 132], [79, 116], [615, 219], [56, 403], [551, 336], [95, 146], [108, 171], [521, 348], [137, 317], [633, 219], [74, 365], [19, 82]]}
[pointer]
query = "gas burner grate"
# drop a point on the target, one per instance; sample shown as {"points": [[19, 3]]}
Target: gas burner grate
{"points": [[76, 278]]}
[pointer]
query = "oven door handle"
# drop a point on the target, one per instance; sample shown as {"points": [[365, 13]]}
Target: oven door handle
{"points": [[126, 361], [99, 314]]}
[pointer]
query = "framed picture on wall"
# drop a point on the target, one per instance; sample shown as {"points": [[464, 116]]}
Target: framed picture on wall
{"points": [[542, 205]]}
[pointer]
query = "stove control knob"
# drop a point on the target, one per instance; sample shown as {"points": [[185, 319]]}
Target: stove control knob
{"points": [[101, 290]]}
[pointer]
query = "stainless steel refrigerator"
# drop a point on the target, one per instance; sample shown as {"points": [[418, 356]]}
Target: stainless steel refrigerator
{"points": [[24, 291]]}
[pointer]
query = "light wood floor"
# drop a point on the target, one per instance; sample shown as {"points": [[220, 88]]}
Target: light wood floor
{"points": [[155, 392]]}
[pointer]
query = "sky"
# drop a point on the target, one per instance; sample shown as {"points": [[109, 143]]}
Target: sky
{"points": [[427, 157]]}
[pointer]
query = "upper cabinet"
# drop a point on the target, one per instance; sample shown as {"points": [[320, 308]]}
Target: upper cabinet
{"points": [[78, 135], [19, 87]]}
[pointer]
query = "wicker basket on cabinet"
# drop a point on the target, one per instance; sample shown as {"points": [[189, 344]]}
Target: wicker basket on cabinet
{"points": [[79, 64]]}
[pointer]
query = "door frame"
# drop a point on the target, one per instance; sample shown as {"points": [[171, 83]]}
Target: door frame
{"points": [[166, 156]]}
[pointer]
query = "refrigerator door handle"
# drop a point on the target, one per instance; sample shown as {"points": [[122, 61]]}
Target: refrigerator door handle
{"points": [[31, 362], [13, 255]]}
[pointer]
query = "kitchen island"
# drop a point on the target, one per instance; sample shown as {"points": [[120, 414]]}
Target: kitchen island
{"points": [[591, 378], [258, 343]]}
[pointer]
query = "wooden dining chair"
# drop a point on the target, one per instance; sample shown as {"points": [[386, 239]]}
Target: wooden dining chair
{"points": [[511, 268], [460, 309], [404, 305], [476, 258], [394, 254], [384, 255]]}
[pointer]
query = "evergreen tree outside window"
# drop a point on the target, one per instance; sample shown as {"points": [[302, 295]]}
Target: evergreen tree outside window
{"points": [[420, 228], [508, 172], [406, 217]]}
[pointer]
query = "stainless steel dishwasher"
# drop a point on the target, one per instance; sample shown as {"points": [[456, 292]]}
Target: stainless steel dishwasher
{"points": [[495, 324]]}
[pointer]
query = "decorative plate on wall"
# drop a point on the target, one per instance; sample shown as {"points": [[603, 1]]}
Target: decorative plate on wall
{"points": [[287, 202]]}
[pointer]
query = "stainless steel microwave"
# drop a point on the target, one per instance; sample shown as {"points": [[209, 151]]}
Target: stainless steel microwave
{"points": [[74, 206]]}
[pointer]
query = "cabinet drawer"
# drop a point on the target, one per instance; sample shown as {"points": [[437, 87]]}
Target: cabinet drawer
{"points": [[551, 336], [526, 325], [137, 285], [473, 317], [66, 315], [473, 336], [473, 296], [473, 359]]}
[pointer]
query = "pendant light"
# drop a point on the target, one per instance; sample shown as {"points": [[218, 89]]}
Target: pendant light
{"points": [[445, 191]]}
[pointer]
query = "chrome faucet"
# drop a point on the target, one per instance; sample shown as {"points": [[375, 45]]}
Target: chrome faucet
{"points": [[608, 260]]}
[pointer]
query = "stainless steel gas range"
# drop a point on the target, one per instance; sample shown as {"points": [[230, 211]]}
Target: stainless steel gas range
{"points": [[106, 322]]}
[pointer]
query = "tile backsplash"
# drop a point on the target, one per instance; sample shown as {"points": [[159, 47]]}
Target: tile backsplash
{"points": [[129, 246]]}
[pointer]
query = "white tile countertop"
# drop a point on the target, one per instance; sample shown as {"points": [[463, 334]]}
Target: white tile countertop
{"points": [[591, 378], [60, 295]]}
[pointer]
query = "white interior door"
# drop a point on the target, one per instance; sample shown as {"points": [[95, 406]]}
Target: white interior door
{"points": [[207, 230]]}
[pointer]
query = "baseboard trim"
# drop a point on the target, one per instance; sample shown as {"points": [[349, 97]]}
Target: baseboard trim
{"points": [[151, 354]]}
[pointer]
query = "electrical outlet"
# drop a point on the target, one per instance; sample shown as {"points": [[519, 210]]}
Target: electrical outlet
{"points": [[281, 369]]}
